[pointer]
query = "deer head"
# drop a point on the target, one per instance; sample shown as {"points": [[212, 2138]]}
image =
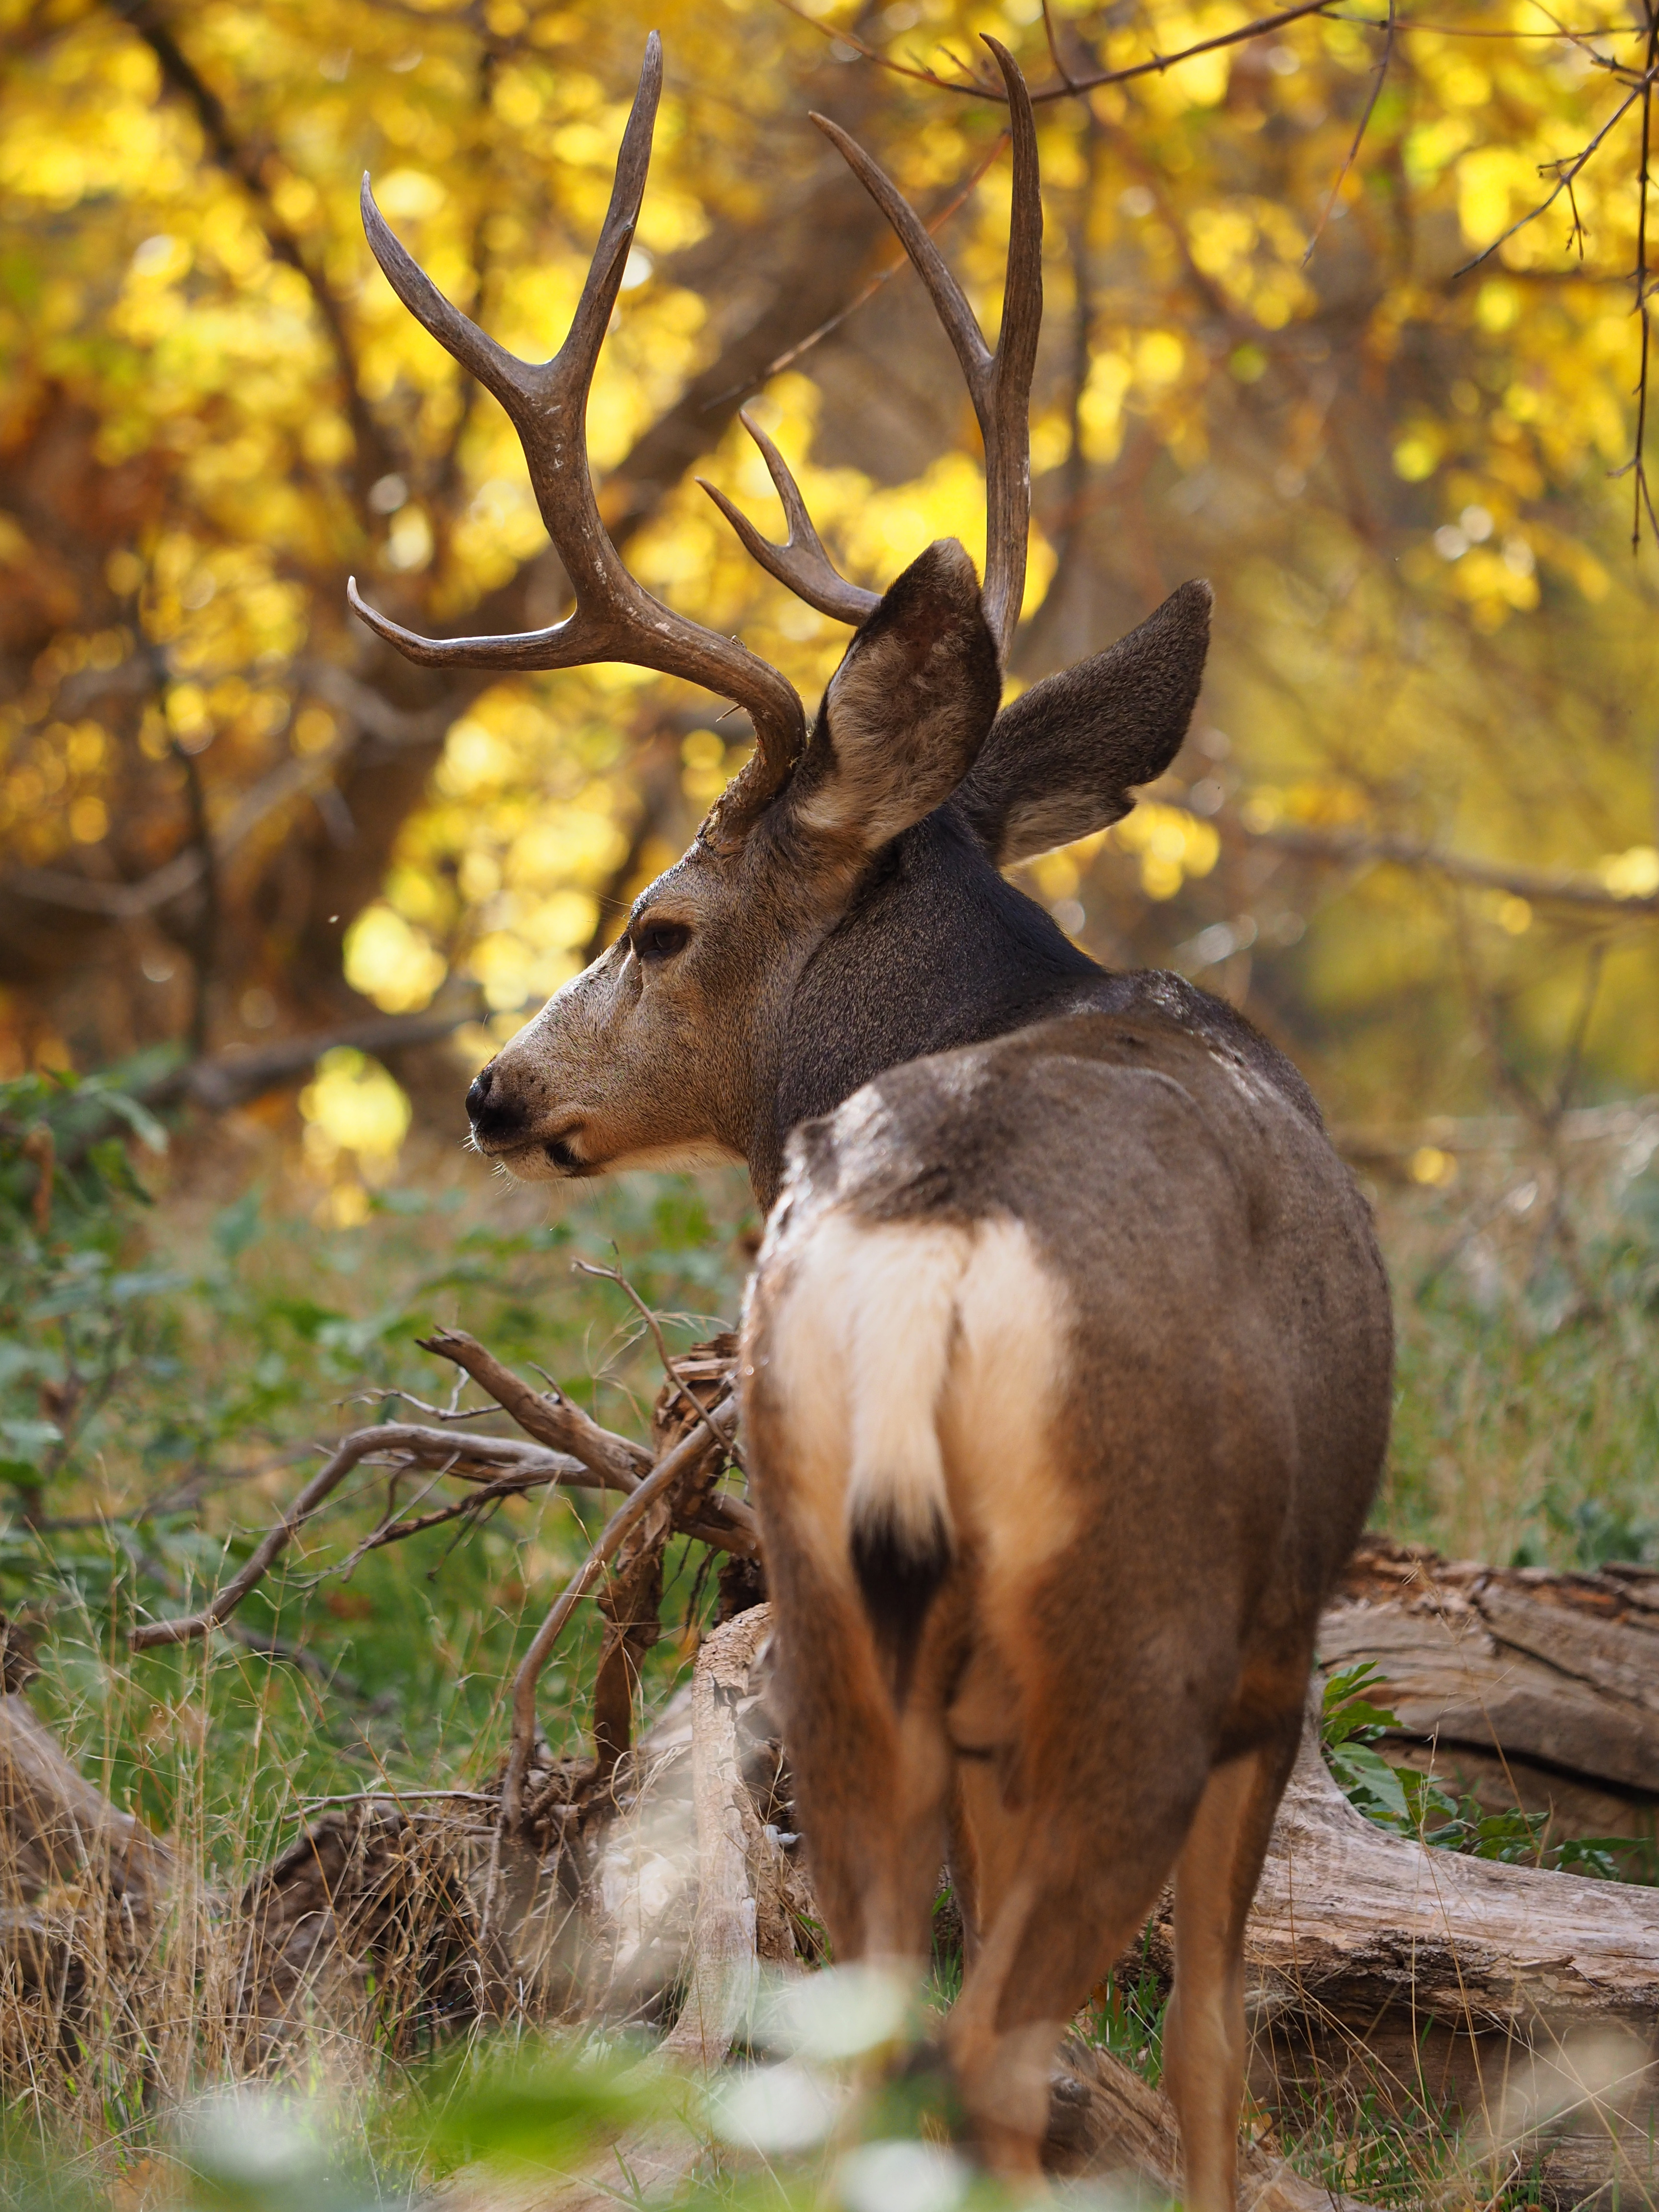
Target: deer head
{"points": [[841, 908]]}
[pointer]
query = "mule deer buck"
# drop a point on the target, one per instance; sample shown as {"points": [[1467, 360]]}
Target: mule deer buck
{"points": [[1066, 1362]]}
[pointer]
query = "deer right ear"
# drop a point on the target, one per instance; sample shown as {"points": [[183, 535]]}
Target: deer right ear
{"points": [[907, 710], [1061, 760]]}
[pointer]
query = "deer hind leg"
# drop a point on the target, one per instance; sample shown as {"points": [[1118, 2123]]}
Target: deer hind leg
{"points": [[1204, 2031], [1061, 1865], [1064, 1890], [847, 1346]]}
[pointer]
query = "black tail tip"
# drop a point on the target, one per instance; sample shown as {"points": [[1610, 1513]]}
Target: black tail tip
{"points": [[899, 1575]]}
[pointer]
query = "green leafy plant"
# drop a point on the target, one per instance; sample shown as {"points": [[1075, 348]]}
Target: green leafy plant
{"points": [[72, 1312], [1415, 1804]]}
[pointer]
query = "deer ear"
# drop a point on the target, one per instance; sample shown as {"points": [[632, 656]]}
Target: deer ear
{"points": [[907, 710], [1060, 761]]}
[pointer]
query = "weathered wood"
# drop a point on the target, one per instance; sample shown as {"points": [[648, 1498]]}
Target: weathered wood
{"points": [[1350, 1918], [724, 1958], [55, 1826], [1527, 1687]]}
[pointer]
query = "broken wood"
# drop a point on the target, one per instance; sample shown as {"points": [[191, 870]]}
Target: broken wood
{"points": [[724, 1962], [1523, 1688]]}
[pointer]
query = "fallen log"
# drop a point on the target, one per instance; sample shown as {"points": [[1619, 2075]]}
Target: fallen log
{"points": [[1525, 1689], [55, 1826], [1351, 1919]]}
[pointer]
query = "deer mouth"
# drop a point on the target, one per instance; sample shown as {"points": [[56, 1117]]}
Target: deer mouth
{"points": [[562, 1155], [531, 1159]]}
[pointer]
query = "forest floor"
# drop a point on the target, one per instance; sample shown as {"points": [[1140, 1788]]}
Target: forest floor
{"points": [[236, 1325]]}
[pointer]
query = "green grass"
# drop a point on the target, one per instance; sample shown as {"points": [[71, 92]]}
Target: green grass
{"points": [[1526, 1428], [224, 1333]]}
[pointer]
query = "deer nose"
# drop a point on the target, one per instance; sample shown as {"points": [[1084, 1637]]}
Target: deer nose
{"points": [[494, 1119]]}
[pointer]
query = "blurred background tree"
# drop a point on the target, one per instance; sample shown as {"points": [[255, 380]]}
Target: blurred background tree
{"points": [[1413, 830]]}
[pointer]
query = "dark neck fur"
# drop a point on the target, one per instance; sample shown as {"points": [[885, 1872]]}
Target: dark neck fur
{"points": [[935, 951], [938, 950]]}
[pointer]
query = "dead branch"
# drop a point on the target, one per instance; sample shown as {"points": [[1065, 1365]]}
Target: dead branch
{"points": [[1069, 85], [698, 1412], [571, 1450], [615, 1462], [549, 1417], [1538, 886], [457, 1453], [667, 1471]]}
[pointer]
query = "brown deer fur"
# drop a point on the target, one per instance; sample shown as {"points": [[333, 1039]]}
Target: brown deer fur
{"points": [[1066, 1362]]}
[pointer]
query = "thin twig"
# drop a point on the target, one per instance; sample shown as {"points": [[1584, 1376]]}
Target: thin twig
{"points": [[1567, 174], [698, 1412], [793, 354], [1638, 463], [977, 88], [1378, 74]]}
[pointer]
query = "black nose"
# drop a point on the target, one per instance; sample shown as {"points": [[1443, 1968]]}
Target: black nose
{"points": [[496, 1118]]}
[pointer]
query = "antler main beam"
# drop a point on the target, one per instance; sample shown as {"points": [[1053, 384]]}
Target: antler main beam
{"points": [[999, 384], [614, 617]]}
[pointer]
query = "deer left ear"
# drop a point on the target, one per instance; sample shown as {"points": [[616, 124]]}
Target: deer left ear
{"points": [[1061, 760], [908, 709]]}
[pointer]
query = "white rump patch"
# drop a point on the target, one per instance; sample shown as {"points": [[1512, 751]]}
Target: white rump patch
{"points": [[916, 1362]]}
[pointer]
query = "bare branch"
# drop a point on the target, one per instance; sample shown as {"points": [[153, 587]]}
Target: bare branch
{"points": [[977, 88], [458, 1454], [150, 1634], [1567, 174], [553, 1420], [627, 1516], [1378, 75], [1538, 886]]}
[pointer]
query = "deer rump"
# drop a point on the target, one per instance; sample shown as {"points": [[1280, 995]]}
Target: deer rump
{"points": [[1066, 1378]]}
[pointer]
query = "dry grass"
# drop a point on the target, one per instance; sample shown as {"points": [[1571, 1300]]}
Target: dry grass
{"points": [[1527, 1428]]}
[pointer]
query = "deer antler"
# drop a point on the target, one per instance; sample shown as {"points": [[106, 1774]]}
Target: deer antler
{"points": [[999, 384], [800, 561], [615, 618]]}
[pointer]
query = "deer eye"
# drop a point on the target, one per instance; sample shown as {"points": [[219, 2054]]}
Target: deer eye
{"points": [[660, 940]]}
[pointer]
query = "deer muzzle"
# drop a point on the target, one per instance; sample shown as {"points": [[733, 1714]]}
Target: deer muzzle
{"points": [[505, 1129]]}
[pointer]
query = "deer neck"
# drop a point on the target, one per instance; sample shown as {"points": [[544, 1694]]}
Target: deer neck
{"points": [[935, 949]]}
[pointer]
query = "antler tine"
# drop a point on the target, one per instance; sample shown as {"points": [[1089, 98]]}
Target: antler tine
{"points": [[614, 617], [800, 561], [1000, 383]]}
